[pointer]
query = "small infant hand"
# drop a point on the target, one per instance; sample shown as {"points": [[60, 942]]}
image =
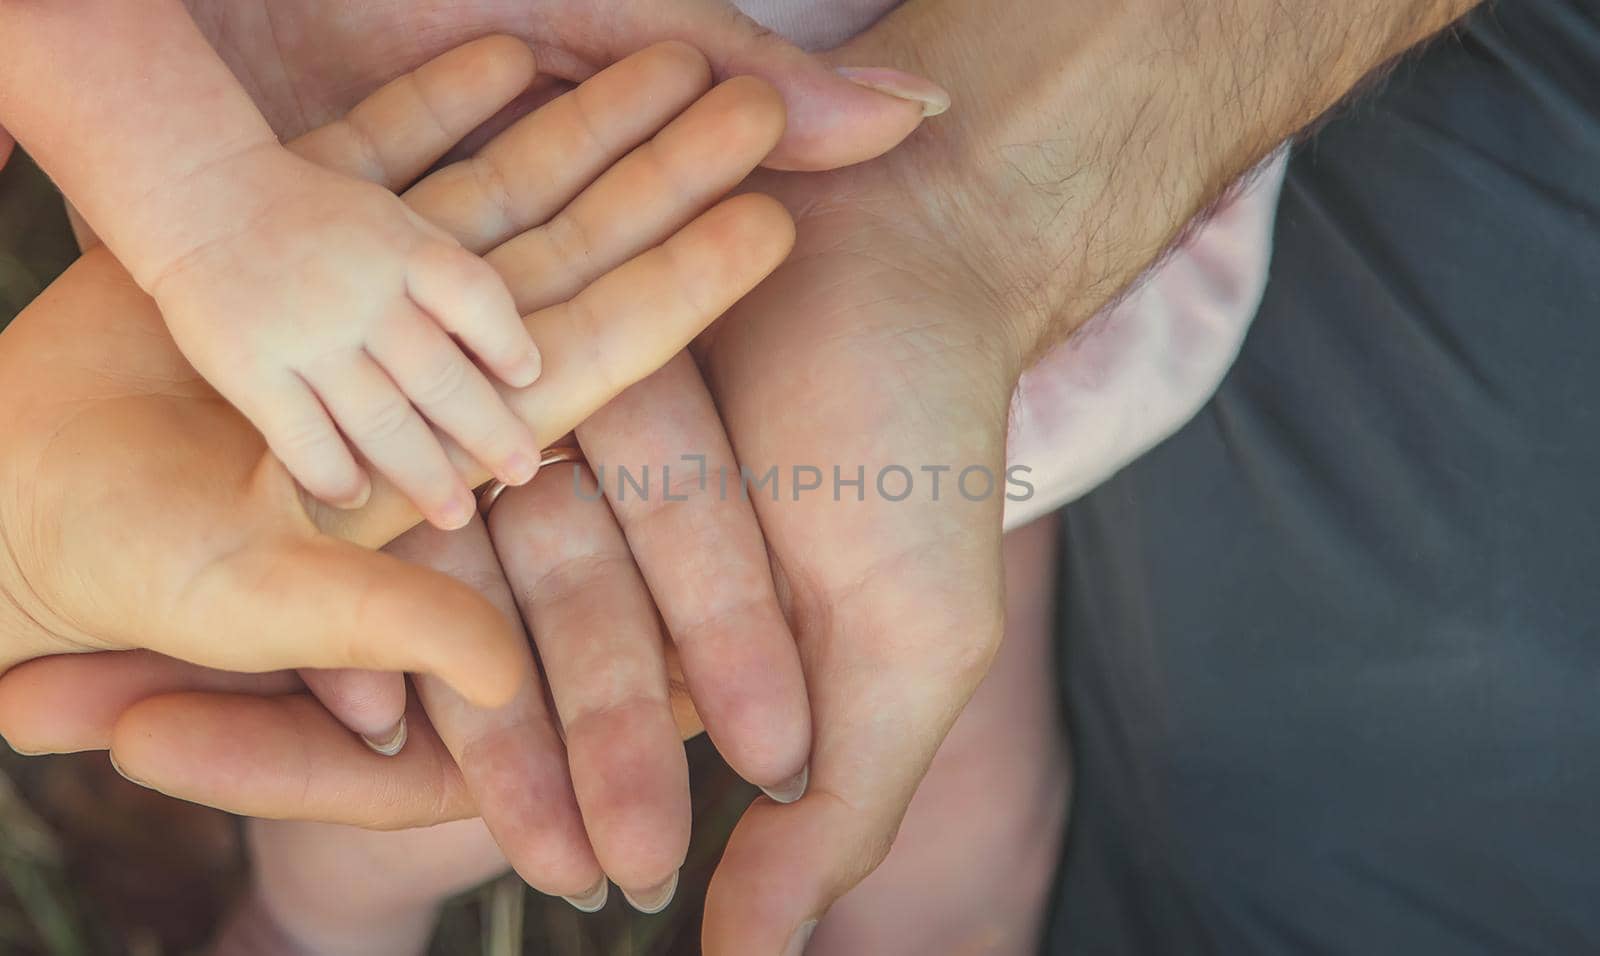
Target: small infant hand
{"points": [[336, 313]]}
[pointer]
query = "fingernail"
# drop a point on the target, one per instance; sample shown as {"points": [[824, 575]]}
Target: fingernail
{"points": [[520, 469], [526, 370], [593, 901], [358, 500], [800, 939], [390, 745], [792, 790], [934, 98], [458, 512], [653, 901]]}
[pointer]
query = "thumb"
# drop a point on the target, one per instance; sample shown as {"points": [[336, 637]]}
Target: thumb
{"points": [[6, 143], [837, 116], [786, 864], [327, 604], [371, 703], [878, 728]]}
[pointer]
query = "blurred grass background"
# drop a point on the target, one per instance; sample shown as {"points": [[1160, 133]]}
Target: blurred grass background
{"points": [[91, 865]]}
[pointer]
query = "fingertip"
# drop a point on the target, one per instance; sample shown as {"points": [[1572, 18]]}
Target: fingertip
{"points": [[764, 227], [371, 703], [522, 370], [790, 790], [513, 62], [762, 114], [390, 742], [455, 512], [489, 663], [341, 497], [350, 497], [841, 118], [682, 58]]}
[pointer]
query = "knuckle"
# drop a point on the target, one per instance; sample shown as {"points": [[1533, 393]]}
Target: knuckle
{"points": [[443, 380], [304, 435], [382, 420], [494, 186], [568, 238]]}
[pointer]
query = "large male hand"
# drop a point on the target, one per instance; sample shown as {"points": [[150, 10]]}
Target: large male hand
{"points": [[878, 350]]}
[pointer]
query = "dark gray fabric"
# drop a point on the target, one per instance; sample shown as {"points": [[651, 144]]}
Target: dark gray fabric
{"points": [[1331, 656]]}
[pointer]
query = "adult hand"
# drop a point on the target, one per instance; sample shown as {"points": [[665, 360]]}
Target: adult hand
{"points": [[306, 62]]}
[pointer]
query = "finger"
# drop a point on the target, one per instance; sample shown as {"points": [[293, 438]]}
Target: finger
{"points": [[298, 430], [658, 188], [600, 645], [69, 703], [323, 603], [882, 704], [397, 133], [454, 395], [511, 757], [700, 548], [631, 321], [523, 176], [470, 301], [370, 703], [833, 122], [620, 329], [286, 758], [6, 145], [387, 430]]}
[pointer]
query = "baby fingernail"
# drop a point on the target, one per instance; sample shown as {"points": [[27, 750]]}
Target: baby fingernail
{"points": [[594, 900], [457, 514], [526, 371], [520, 469], [792, 790], [934, 98], [800, 939], [359, 498], [654, 900], [390, 744]]}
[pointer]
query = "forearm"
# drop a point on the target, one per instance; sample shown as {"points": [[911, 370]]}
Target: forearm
{"points": [[128, 109], [1087, 134]]}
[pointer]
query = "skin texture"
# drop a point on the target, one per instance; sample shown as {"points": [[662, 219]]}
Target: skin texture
{"points": [[306, 63], [336, 320], [200, 540], [942, 272]]}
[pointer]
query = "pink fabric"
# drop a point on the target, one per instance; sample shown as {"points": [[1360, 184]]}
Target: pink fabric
{"points": [[1135, 374]]}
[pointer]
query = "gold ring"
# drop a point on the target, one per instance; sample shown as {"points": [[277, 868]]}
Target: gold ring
{"points": [[553, 455]]}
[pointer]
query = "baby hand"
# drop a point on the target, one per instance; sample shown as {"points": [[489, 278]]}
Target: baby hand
{"points": [[334, 313]]}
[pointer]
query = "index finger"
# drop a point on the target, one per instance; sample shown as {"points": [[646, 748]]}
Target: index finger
{"points": [[395, 135]]}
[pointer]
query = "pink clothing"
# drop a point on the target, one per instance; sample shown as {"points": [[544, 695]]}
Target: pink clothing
{"points": [[1135, 374]]}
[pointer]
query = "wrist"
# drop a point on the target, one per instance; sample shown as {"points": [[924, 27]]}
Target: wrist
{"points": [[1084, 137], [204, 207]]}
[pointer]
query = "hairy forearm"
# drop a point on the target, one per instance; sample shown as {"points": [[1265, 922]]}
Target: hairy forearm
{"points": [[1086, 134], [125, 105]]}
